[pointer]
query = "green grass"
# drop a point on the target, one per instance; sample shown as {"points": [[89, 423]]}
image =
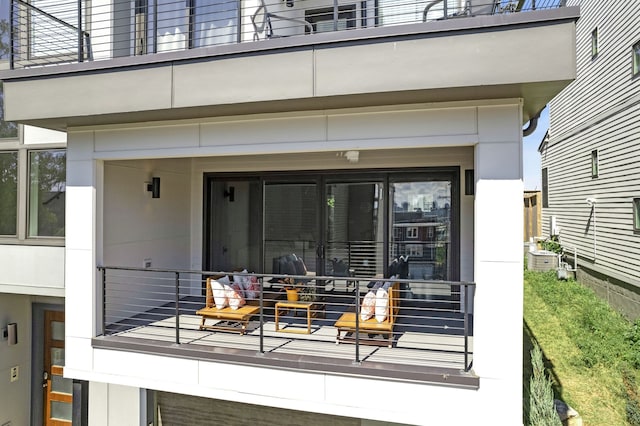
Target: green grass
{"points": [[586, 348]]}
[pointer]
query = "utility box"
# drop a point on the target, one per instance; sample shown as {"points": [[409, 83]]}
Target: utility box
{"points": [[542, 260]]}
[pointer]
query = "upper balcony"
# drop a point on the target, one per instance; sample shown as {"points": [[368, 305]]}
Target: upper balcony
{"points": [[189, 59]]}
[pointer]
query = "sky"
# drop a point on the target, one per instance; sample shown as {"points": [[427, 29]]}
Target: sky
{"points": [[532, 173]]}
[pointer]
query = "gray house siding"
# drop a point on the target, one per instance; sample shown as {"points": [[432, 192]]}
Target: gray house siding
{"points": [[599, 111]]}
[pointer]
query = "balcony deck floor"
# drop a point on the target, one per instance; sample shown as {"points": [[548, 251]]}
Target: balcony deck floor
{"points": [[411, 348]]}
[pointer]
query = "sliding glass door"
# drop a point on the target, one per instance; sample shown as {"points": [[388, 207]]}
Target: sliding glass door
{"points": [[354, 225]]}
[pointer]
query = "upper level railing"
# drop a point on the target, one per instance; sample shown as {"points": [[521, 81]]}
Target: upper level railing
{"points": [[46, 32]]}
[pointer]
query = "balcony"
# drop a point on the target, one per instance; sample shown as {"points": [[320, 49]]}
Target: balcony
{"points": [[188, 61], [155, 311], [47, 33]]}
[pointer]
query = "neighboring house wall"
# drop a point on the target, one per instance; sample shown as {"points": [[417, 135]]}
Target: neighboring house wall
{"points": [[532, 215], [599, 112]]}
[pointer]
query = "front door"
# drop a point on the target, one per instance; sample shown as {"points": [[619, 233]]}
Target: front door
{"points": [[58, 391]]}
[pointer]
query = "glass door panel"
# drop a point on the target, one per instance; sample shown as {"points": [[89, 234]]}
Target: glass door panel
{"points": [[421, 222], [235, 228], [354, 229], [58, 390], [172, 25], [290, 224], [216, 22]]}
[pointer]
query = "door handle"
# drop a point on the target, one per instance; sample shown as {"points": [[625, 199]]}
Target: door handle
{"points": [[320, 251], [45, 381]]}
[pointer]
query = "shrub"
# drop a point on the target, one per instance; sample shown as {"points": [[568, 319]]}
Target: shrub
{"points": [[632, 406], [633, 338], [541, 410]]}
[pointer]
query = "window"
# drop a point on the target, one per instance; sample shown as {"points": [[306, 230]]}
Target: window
{"points": [[594, 43], [322, 19], [636, 214], [545, 188], [47, 186], [8, 193], [8, 129], [636, 58], [412, 232], [594, 163]]}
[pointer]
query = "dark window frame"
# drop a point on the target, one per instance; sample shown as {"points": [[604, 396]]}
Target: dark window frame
{"points": [[595, 164], [635, 205], [635, 59], [594, 43], [545, 187]]}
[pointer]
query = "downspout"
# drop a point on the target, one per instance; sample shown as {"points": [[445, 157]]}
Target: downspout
{"points": [[533, 123]]}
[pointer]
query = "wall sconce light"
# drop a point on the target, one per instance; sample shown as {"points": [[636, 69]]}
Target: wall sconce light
{"points": [[154, 187], [469, 182], [230, 193], [11, 333]]}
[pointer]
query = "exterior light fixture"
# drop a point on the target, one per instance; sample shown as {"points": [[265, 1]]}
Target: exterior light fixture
{"points": [[11, 333], [154, 187]]}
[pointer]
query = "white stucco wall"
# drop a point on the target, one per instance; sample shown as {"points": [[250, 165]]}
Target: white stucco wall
{"points": [[423, 135]]}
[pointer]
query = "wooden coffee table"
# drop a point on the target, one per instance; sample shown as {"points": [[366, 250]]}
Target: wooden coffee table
{"points": [[294, 305]]}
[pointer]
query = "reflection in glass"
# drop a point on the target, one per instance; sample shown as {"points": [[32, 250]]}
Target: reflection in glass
{"points": [[8, 192], [290, 222], [216, 22], [61, 385], [57, 330], [47, 188], [353, 231], [172, 24], [61, 410], [8, 129], [421, 227], [57, 357]]}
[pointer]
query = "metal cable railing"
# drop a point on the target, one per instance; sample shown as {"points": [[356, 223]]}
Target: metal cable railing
{"points": [[48, 32], [406, 322]]}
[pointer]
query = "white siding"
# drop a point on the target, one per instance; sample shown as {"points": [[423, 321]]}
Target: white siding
{"points": [[600, 110]]}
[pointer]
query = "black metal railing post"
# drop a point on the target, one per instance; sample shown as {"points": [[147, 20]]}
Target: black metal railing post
{"points": [[465, 316], [177, 308], [103, 273], [262, 315], [80, 34], [357, 296], [11, 40]]}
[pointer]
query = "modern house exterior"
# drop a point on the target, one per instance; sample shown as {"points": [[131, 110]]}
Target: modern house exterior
{"points": [[590, 157], [205, 141]]}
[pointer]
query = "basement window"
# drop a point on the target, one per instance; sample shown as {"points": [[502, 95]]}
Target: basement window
{"points": [[636, 214], [594, 163], [636, 58]]}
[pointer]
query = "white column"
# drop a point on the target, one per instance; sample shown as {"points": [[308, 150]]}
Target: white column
{"points": [[498, 258], [80, 267], [114, 405]]}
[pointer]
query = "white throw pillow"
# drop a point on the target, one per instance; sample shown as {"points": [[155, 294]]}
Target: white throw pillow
{"points": [[251, 287], [219, 294], [382, 302], [368, 306], [234, 296]]}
